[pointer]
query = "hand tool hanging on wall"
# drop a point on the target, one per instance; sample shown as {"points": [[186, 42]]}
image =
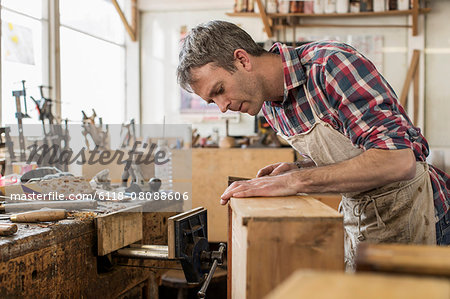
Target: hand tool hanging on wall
{"points": [[54, 136], [44, 107], [20, 115], [9, 144], [128, 134], [99, 135]]}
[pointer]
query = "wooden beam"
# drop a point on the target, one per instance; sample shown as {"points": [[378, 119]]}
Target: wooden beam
{"points": [[415, 17], [118, 229], [264, 18], [409, 77], [416, 95], [131, 29], [341, 26], [404, 259]]}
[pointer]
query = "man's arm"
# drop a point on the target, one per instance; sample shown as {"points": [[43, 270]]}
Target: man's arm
{"points": [[371, 169]]}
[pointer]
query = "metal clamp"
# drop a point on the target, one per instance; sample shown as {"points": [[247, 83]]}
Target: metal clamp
{"points": [[217, 258]]}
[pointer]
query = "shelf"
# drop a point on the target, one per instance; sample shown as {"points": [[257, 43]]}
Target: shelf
{"points": [[243, 14], [333, 15], [352, 14], [268, 19]]}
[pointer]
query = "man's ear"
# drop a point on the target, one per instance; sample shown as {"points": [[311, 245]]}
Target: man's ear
{"points": [[242, 58]]}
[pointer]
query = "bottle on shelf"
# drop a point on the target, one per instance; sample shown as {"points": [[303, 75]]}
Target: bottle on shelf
{"points": [[403, 4], [366, 5], [272, 6], [354, 6], [330, 6], [379, 5], [319, 6], [308, 7], [342, 6], [283, 6]]}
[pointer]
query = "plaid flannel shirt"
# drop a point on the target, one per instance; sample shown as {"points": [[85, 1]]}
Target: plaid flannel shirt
{"points": [[351, 95]]}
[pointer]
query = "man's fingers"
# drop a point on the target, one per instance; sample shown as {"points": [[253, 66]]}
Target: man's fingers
{"points": [[264, 171], [282, 168], [235, 187], [278, 170]]}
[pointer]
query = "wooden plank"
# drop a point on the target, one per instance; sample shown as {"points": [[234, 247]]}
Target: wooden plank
{"points": [[171, 229], [317, 25], [229, 252], [238, 261], [132, 31], [409, 77], [415, 17], [274, 236], [416, 95], [325, 285], [243, 14], [264, 18], [330, 199], [333, 15], [118, 229], [280, 208], [210, 170], [408, 259]]}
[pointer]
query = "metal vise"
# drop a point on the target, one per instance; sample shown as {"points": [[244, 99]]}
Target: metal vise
{"points": [[188, 243]]}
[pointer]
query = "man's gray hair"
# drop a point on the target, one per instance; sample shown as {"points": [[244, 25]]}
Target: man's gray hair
{"points": [[216, 42]]}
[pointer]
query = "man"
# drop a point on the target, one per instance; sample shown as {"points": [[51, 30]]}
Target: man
{"points": [[331, 104]]}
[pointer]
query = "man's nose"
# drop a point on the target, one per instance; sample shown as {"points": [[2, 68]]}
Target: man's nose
{"points": [[223, 104]]}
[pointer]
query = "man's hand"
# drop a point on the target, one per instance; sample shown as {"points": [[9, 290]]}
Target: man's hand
{"points": [[371, 169], [276, 169], [279, 185]]}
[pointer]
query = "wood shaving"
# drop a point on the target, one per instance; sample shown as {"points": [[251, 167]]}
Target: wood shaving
{"points": [[82, 215]]}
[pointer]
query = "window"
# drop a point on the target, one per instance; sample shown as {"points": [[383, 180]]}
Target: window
{"points": [[92, 40], [92, 58], [24, 54]]}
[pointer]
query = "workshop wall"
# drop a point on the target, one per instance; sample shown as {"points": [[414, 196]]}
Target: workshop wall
{"points": [[159, 54], [437, 59]]}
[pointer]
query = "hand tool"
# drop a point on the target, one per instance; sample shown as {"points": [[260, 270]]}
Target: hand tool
{"points": [[42, 215], [7, 229], [17, 206], [20, 115], [9, 144]]}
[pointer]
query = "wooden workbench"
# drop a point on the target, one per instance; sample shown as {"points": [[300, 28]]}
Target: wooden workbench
{"points": [[60, 261]]}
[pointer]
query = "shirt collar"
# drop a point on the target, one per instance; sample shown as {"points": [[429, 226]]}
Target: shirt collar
{"points": [[294, 75]]}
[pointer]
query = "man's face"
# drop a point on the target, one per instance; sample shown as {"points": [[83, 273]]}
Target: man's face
{"points": [[238, 91]]}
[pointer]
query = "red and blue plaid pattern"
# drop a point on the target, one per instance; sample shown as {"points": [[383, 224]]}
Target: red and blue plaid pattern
{"points": [[351, 95]]}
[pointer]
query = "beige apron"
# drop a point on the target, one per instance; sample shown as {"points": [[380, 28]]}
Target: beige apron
{"points": [[401, 212]]}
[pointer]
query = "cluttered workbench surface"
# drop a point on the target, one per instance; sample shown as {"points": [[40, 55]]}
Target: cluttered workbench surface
{"points": [[51, 259]]}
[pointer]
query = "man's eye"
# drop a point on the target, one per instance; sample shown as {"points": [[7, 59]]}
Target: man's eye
{"points": [[220, 90]]}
